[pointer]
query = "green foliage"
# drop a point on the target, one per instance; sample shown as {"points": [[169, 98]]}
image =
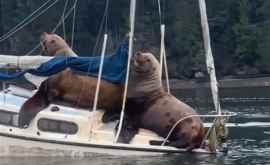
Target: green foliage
{"points": [[246, 37], [239, 30]]}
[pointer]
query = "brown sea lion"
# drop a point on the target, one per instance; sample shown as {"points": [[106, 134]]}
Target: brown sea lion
{"points": [[72, 90], [67, 87], [53, 45], [154, 109]]}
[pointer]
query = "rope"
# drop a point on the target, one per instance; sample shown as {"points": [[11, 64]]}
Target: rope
{"points": [[208, 132], [130, 51], [73, 24], [28, 22], [19, 24], [190, 116]]}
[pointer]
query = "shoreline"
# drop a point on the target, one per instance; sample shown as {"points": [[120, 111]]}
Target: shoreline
{"points": [[177, 84]]}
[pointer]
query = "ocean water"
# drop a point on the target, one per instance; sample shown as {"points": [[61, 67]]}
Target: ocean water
{"points": [[249, 143]]}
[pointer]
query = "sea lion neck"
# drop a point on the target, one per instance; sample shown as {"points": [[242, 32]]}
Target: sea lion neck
{"points": [[142, 85], [66, 51]]}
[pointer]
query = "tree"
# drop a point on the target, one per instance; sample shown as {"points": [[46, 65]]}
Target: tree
{"points": [[246, 41]]}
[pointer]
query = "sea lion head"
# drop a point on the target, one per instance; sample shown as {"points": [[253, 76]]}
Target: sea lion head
{"points": [[145, 75], [52, 43], [145, 64]]}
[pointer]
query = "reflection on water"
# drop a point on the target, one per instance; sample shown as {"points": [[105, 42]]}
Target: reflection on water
{"points": [[248, 145], [186, 159]]}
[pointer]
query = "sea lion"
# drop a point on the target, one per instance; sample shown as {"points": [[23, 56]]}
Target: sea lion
{"points": [[67, 87], [154, 109], [71, 89], [53, 45]]}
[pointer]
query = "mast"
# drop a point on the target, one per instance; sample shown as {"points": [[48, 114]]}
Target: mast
{"points": [[209, 56], [130, 52]]}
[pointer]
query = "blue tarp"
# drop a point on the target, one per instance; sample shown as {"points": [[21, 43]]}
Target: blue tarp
{"points": [[114, 69]]}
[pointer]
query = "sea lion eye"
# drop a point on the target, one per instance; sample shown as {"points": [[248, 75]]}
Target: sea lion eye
{"points": [[43, 43], [148, 60], [52, 41]]}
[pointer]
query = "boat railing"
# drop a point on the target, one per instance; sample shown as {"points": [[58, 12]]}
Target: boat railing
{"points": [[219, 116]]}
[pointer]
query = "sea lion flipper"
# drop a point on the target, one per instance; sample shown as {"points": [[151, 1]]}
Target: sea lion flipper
{"points": [[181, 143], [157, 142], [110, 116], [33, 105], [128, 131]]}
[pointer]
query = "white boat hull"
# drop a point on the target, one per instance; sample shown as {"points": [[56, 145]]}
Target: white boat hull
{"points": [[24, 146]]}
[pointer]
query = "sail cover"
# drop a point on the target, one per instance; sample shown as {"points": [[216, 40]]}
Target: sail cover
{"points": [[114, 69]]}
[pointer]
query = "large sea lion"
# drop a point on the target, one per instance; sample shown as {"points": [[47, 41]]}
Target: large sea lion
{"points": [[67, 87], [154, 109]]}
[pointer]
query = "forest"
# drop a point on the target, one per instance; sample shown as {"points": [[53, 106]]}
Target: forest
{"points": [[239, 29]]}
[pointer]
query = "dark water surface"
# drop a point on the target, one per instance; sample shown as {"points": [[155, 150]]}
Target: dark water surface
{"points": [[248, 145]]}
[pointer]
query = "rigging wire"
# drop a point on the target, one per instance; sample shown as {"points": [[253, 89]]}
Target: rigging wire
{"points": [[94, 109], [160, 13], [100, 69], [63, 19], [162, 48], [101, 27], [33, 49], [28, 22], [28, 17], [130, 51], [166, 72], [73, 24], [100, 31], [54, 30]]}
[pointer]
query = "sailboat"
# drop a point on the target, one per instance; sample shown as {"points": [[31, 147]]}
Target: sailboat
{"points": [[61, 130]]}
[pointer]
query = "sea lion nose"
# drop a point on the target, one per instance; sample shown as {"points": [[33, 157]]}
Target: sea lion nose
{"points": [[43, 35]]}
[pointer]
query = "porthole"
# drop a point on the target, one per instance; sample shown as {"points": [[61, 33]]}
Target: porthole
{"points": [[57, 126], [8, 118]]}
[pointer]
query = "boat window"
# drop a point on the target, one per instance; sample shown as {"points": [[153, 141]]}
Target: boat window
{"points": [[57, 126], [8, 118]]}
